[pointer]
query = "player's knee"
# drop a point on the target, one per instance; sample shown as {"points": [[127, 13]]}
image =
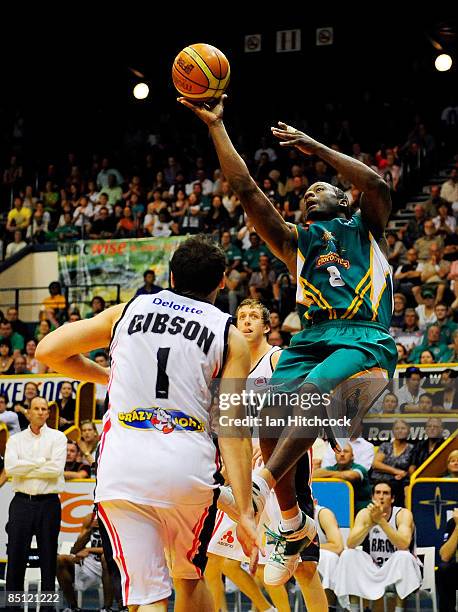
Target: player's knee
{"points": [[306, 570]]}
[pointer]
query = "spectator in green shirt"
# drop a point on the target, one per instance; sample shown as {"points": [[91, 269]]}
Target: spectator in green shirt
{"points": [[17, 341], [431, 343], [233, 253], [251, 255], [447, 327], [346, 469]]}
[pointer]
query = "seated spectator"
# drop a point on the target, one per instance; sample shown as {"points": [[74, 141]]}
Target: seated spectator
{"points": [[402, 353], [434, 272], [447, 327], [101, 358], [88, 441], [410, 335], [67, 229], [390, 404], [409, 394], [275, 338], [16, 340], [192, 221], [422, 245], [452, 465], [19, 217], [73, 467], [103, 226], [33, 365], [424, 449], [67, 406], [8, 417], [262, 282], [346, 469], [387, 535], [85, 566], [431, 206], [232, 252], [414, 229], [163, 225], [39, 226], [449, 189], [97, 306], [392, 461], [452, 355], [444, 223], [20, 366], [363, 453], [17, 245], [149, 276], [43, 328], [407, 277], [425, 309], [126, 226], [448, 397], [447, 574], [294, 200], [55, 301], [253, 253], [105, 172], [18, 326], [426, 357], [397, 318], [6, 357], [83, 214], [432, 344], [112, 189], [20, 408], [218, 219], [396, 249]]}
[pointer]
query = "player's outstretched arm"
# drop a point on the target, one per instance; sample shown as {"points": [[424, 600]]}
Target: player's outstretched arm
{"points": [[375, 201], [268, 222], [61, 349], [235, 441]]}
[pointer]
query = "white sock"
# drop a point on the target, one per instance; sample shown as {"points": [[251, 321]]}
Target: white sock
{"points": [[398, 609], [262, 484], [291, 524]]}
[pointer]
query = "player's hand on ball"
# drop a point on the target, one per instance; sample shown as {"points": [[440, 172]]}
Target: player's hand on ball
{"points": [[210, 112], [290, 137], [248, 538]]}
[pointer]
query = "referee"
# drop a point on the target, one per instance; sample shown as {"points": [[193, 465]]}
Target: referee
{"points": [[35, 458]]}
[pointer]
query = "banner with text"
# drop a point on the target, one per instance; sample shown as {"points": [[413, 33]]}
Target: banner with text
{"points": [[114, 262]]}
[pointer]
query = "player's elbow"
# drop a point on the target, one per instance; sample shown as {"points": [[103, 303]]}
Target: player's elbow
{"points": [[242, 184]]}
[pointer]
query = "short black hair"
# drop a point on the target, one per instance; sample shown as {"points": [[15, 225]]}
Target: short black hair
{"points": [[198, 265], [385, 482], [148, 272]]}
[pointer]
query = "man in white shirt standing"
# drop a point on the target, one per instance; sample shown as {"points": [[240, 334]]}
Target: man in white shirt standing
{"points": [[35, 459]]}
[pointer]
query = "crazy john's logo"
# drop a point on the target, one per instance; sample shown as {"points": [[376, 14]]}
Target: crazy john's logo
{"points": [[159, 419], [332, 257], [75, 507]]}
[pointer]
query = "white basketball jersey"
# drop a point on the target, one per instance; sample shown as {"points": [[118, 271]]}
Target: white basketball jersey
{"points": [[322, 536], [156, 447], [378, 545], [259, 377]]}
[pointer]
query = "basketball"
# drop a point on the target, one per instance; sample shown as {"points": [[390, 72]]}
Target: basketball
{"points": [[201, 72]]}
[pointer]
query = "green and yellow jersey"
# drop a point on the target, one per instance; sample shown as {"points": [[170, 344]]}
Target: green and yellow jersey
{"points": [[342, 273]]}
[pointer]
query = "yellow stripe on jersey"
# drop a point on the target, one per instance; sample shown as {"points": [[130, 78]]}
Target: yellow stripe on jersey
{"points": [[360, 301], [318, 299], [365, 278]]}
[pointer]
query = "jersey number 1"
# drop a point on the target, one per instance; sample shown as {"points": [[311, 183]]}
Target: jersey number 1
{"points": [[162, 381]]}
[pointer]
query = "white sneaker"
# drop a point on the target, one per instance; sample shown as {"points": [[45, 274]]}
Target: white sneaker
{"points": [[285, 557]]}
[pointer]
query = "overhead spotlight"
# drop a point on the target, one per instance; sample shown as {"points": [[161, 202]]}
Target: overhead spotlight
{"points": [[141, 91], [443, 62]]}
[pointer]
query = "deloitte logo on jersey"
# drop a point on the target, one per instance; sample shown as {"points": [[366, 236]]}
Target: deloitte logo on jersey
{"points": [[182, 307], [159, 419]]}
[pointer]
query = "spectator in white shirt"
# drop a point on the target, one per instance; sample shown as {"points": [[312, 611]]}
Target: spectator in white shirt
{"points": [[17, 245], [35, 459], [9, 417]]}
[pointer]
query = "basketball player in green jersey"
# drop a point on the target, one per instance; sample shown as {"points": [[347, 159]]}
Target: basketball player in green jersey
{"points": [[344, 297]]}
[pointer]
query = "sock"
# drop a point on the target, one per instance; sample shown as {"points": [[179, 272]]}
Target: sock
{"points": [[262, 484], [398, 609], [354, 607], [291, 524]]}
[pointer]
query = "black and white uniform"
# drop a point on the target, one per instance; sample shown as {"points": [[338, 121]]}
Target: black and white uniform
{"points": [[89, 573], [157, 465], [224, 541], [379, 564], [327, 565]]}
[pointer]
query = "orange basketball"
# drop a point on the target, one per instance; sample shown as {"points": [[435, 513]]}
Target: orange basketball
{"points": [[201, 72]]}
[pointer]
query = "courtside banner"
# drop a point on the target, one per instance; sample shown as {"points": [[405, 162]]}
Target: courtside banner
{"points": [[77, 501], [48, 386], [432, 501], [99, 262]]}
